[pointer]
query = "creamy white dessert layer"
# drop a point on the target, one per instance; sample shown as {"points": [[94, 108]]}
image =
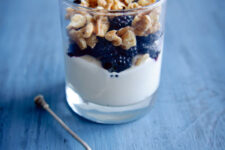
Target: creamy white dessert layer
{"points": [[95, 84]]}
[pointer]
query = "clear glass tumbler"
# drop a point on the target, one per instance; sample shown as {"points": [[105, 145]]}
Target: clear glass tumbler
{"points": [[112, 60]]}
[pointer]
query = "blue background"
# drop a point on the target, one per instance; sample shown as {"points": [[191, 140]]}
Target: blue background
{"points": [[189, 113]]}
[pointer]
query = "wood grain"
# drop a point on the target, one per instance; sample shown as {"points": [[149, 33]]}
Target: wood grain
{"points": [[189, 113]]}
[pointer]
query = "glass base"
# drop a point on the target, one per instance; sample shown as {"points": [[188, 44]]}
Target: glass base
{"points": [[107, 114]]}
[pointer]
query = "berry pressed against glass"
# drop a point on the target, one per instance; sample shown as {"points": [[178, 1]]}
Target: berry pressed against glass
{"points": [[154, 54], [155, 36], [143, 48], [151, 38], [146, 44], [74, 50], [152, 49], [77, 1], [117, 63], [120, 22]]}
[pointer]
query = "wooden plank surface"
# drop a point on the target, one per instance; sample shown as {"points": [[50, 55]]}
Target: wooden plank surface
{"points": [[189, 113]]}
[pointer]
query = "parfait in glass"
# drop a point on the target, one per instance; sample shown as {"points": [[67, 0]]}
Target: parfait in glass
{"points": [[113, 54]]}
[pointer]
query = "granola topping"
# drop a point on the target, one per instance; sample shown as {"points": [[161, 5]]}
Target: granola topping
{"points": [[133, 5], [115, 40]]}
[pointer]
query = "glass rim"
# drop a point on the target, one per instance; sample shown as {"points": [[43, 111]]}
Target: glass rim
{"points": [[105, 12]]}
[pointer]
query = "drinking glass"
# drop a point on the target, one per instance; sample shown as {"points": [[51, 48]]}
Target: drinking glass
{"points": [[112, 60]]}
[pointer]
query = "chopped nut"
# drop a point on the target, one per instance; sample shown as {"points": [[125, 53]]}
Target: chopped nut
{"points": [[77, 21], [93, 3], [133, 5], [157, 10], [76, 36], [81, 43], [113, 37], [101, 3], [122, 31], [69, 12], [88, 30], [70, 26], [84, 3], [89, 18], [154, 28], [141, 59], [117, 5], [154, 16], [128, 40], [102, 26], [99, 8], [146, 2], [141, 24], [128, 1], [92, 41], [109, 4]]}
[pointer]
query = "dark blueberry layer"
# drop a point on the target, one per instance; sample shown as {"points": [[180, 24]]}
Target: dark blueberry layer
{"points": [[116, 59]]}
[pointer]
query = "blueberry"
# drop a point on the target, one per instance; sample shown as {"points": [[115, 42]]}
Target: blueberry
{"points": [[143, 48], [120, 21], [117, 63], [154, 54], [155, 36], [103, 48], [152, 49], [121, 63], [145, 43], [74, 50], [107, 63], [77, 1], [130, 52], [151, 38]]}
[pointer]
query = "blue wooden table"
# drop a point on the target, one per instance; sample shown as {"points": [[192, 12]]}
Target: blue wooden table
{"points": [[189, 113]]}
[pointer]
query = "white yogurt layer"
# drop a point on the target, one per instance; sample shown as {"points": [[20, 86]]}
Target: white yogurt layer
{"points": [[94, 84]]}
